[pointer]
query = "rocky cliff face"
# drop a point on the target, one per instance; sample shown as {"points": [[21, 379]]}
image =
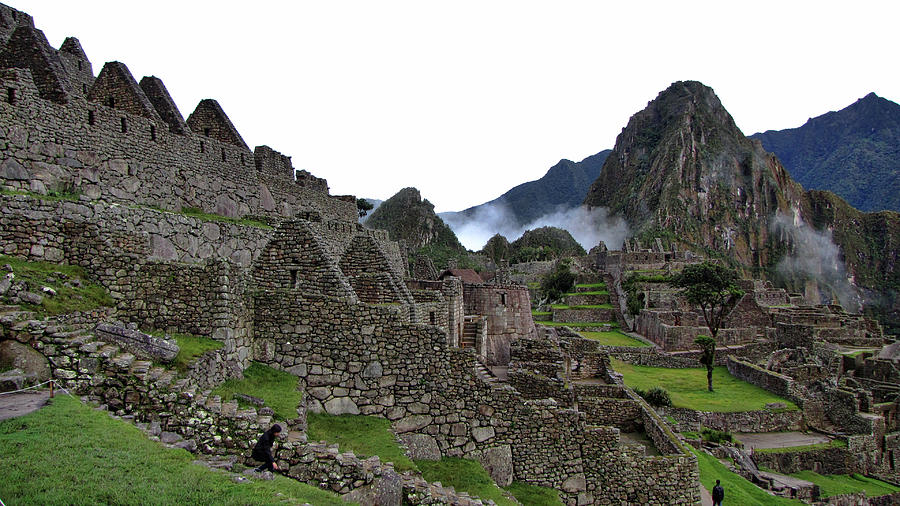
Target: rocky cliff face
{"points": [[409, 218], [682, 168]]}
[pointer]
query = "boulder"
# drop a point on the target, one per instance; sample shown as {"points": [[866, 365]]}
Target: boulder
{"points": [[498, 463], [421, 446], [31, 363], [137, 342], [341, 406], [386, 490]]}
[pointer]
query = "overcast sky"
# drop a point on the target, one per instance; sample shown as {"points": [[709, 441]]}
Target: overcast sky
{"points": [[465, 100]]}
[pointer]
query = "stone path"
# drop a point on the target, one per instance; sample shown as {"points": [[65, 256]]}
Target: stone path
{"points": [[18, 404], [780, 439]]}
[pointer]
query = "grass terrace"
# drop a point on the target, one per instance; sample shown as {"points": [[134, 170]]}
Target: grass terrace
{"points": [[73, 292], [591, 285], [68, 453], [687, 388], [533, 495], [834, 443], [196, 212], [465, 476], [840, 484], [189, 347], [613, 338], [737, 489], [584, 306], [363, 435], [576, 324], [277, 388]]}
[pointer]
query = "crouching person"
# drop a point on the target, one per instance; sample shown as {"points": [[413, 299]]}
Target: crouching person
{"points": [[262, 452]]}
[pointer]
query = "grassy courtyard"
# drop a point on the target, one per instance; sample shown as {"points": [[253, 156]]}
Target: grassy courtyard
{"points": [[68, 453], [73, 291], [613, 338], [687, 388]]}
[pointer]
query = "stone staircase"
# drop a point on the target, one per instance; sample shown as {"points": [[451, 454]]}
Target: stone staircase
{"points": [[126, 385], [469, 333]]}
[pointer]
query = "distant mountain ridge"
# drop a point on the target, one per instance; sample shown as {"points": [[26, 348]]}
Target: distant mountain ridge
{"points": [[563, 186], [854, 152]]}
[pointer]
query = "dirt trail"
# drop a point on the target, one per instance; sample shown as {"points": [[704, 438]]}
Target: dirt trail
{"points": [[22, 403]]}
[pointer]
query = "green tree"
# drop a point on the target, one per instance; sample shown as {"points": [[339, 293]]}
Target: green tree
{"points": [[714, 288], [363, 206], [558, 281]]}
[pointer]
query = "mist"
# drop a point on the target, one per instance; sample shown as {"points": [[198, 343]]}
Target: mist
{"points": [[814, 255], [587, 226]]}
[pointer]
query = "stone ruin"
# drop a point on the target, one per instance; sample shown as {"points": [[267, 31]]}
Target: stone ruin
{"points": [[303, 288]]}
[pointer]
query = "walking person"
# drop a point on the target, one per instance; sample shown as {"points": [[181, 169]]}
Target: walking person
{"points": [[718, 494], [262, 452]]}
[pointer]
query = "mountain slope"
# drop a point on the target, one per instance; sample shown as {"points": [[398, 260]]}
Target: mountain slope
{"points": [[854, 152], [682, 168], [564, 185], [410, 219]]}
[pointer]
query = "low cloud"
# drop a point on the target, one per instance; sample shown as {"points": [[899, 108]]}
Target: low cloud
{"points": [[814, 255], [587, 226]]}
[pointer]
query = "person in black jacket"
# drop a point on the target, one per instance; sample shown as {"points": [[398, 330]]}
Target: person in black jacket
{"points": [[263, 450], [718, 494]]}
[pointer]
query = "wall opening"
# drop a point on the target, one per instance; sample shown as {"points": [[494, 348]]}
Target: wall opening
{"points": [[152, 132], [431, 317], [124, 125], [111, 102], [242, 158], [223, 155], [206, 132], [80, 65], [202, 147], [84, 88], [11, 95], [293, 278], [91, 118], [502, 299]]}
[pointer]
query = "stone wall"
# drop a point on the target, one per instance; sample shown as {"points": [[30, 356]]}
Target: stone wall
{"points": [[111, 154], [778, 384], [740, 421], [507, 309], [822, 461]]}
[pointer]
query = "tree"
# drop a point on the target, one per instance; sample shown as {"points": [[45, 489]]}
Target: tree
{"points": [[558, 281], [363, 206], [708, 357], [713, 288]]}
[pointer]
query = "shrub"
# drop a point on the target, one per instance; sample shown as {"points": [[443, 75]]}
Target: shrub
{"points": [[716, 436], [656, 396], [558, 281]]}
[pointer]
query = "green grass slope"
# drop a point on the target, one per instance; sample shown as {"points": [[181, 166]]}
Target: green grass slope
{"points": [[68, 453]]}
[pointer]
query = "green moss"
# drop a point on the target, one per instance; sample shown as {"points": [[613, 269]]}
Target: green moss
{"points": [[576, 324], [191, 347], [73, 291], [465, 476], [363, 435], [277, 388], [533, 495], [68, 453], [688, 388], [590, 285]]}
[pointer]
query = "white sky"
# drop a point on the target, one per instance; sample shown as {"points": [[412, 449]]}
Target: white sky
{"points": [[467, 99]]}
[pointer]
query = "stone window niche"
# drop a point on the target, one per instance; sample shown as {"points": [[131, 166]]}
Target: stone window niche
{"points": [[293, 272], [502, 298], [152, 132], [91, 119], [202, 147], [124, 125], [11, 95]]}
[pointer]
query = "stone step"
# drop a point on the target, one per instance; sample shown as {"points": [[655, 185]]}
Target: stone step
{"points": [[214, 403], [141, 368], [179, 385], [108, 351], [229, 408], [165, 379], [247, 414], [155, 373], [80, 337], [92, 346], [264, 421], [123, 360]]}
